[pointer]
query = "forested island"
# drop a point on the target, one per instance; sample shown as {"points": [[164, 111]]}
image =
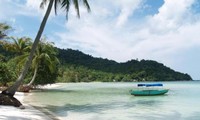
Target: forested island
{"points": [[75, 66], [79, 67], [51, 64]]}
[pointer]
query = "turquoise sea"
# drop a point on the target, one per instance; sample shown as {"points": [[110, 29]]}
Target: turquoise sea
{"points": [[112, 101]]}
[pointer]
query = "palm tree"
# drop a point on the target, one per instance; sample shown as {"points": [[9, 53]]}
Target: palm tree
{"points": [[64, 4], [45, 54], [19, 46], [3, 29]]}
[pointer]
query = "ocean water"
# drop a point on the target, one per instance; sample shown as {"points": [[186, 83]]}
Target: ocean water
{"points": [[112, 101]]}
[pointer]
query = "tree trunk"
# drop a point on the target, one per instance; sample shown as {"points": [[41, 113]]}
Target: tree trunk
{"points": [[11, 90], [34, 76]]}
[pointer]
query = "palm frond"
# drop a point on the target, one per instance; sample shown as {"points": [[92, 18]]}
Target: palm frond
{"points": [[20, 60], [35, 62], [56, 60], [85, 2], [66, 5], [43, 3], [56, 3], [76, 5], [4, 28]]}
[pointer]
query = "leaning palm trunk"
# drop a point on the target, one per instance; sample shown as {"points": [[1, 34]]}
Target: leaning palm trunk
{"points": [[28, 87], [11, 90], [33, 79]]}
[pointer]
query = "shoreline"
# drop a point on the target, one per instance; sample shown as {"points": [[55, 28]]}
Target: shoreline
{"points": [[30, 112], [46, 112]]}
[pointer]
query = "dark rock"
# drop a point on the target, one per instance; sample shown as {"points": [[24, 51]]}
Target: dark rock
{"points": [[9, 100]]}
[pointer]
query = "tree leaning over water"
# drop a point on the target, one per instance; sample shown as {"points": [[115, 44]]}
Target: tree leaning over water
{"points": [[45, 55], [64, 4]]}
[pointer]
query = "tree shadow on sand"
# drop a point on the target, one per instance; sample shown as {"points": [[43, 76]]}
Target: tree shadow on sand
{"points": [[94, 108], [86, 108]]}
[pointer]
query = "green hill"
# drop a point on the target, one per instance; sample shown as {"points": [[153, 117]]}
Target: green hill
{"points": [[79, 67], [133, 70]]}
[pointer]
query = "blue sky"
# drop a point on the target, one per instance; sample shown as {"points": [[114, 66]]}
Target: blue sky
{"points": [[163, 30]]}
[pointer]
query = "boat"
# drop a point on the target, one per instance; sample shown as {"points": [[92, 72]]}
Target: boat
{"points": [[149, 90]]}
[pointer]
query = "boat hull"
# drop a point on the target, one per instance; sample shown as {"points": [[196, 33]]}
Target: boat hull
{"points": [[148, 92]]}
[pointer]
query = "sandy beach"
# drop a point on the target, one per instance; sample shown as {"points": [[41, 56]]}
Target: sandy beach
{"points": [[29, 113]]}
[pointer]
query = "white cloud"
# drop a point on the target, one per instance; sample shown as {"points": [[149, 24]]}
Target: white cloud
{"points": [[13, 8], [171, 16], [100, 31], [109, 32], [127, 8], [112, 31], [33, 4], [32, 8], [6, 11]]}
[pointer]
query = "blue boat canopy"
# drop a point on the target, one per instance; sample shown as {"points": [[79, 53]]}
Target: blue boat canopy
{"points": [[150, 85]]}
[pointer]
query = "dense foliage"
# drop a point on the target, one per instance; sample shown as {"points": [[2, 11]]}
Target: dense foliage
{"points": [[45, 76], [6, 75], [14, 53], [75, 66], [80, 67]]}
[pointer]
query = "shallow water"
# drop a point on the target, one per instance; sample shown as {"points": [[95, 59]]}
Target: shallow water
{"points": [[112, 101]]}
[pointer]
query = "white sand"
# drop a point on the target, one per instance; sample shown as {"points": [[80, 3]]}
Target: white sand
{"points": [[14, 113]]}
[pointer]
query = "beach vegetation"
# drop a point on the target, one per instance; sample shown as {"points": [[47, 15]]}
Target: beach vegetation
{"points": [[6, 75], [4, 29], [80, 67], [44, 58], [76, 66], [44, 65], [64, 4]]}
